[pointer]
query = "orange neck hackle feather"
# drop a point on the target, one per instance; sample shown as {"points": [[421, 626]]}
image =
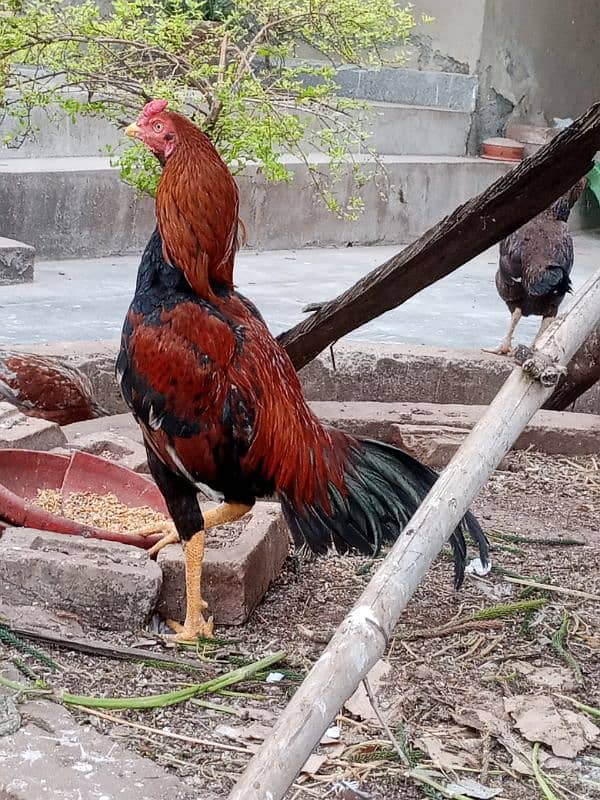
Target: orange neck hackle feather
{"points": [[197, 206]]}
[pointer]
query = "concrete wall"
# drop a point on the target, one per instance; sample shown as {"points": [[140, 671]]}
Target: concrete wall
{"points": [[536, 60], [539, 60], [452, 42]]}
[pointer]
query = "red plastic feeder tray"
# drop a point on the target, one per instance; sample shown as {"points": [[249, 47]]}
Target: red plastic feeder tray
{"points": [[24, 472]]}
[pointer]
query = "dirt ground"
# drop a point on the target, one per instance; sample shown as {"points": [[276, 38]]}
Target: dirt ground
{"points": [[447, 670]]}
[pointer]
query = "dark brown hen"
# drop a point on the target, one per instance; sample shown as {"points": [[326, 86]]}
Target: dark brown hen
{"points": [[535, 265]]}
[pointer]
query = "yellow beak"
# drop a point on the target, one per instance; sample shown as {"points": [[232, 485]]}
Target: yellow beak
{"points": [[132, 130]]}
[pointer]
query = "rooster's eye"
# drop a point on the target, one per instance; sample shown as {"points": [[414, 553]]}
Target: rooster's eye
{"points": [[158, 126]]}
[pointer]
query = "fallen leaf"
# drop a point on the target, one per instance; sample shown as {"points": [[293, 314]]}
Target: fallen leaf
{"points": [[256, 731], [264, 715], [493, 720], [496, 591], [359, 704], [539, 720], [333, 749], [472, 788], [332, 735], [314, 764], [545, 677], [350, 790], [253, 731], [449, 753], [228, 732]]}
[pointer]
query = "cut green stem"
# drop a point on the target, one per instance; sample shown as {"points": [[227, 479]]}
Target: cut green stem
{"points": [[157, 700], [539, 775], [514, 538], [179, 696], [593, 712], [560, 647], [421, 777]]}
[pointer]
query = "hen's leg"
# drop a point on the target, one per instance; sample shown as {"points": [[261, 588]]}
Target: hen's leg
{"points": [[195, 625], [505, 346], [226, 512], [546, 321], [181, 497]]}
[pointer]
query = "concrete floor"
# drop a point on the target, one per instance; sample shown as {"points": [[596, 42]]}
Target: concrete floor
{"points": [[86, 300]]}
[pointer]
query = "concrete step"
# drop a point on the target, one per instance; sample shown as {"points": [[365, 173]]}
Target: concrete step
{"points": [[16, 262], [78, 207], [395, 128], [450, 90], [82, 209], [398, 129], [55, 133]]}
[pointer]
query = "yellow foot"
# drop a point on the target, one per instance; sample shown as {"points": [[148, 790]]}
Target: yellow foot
{"points": [[170, 535], [190, 633]]}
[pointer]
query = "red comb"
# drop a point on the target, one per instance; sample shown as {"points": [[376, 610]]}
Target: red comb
{"points": [[154, 107]]}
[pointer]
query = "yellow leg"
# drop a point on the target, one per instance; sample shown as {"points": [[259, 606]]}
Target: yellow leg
{"points": [[226, 512], [505, 346], [545, 323], [195, 625]]}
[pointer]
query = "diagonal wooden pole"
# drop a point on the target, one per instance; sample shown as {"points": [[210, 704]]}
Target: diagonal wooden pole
{"points": [[362, 637], [473, 227]]}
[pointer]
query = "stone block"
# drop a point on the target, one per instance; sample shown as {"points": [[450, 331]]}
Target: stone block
{"points": [[109, 444], [104, 584], [433, 432], [27, 433], [235, 578], [16, 262], [381, 372]]}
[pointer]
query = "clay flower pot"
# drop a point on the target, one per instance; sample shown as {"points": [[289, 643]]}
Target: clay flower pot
{"points": [[501, 149]]}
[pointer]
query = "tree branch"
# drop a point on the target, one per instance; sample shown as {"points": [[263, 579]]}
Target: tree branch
{"points": [[478, 224]]}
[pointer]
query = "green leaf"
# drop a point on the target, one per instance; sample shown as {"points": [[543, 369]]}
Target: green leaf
{"points": [[233, 68]]}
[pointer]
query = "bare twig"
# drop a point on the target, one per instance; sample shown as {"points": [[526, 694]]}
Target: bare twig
{"points": [[167, 734], [549, 587], [395, 743]]}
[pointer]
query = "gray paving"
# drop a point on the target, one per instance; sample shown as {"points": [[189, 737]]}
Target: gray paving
{"points": [[45, 753], [87, 300]]}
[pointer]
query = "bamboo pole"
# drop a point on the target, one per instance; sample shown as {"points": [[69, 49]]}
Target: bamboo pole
{"points": [[362, 637]]}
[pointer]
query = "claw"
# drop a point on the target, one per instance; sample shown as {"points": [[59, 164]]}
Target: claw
{"points": [[168, 538], [189, 634], [501, 350], [170, 535]]}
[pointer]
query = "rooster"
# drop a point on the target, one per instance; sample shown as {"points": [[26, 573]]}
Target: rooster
{"points": [[47, 388], [535, 265], [218, 400]]}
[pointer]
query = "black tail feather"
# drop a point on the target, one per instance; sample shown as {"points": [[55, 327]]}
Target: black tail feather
{"points": [[384, 488], [553, 281]]}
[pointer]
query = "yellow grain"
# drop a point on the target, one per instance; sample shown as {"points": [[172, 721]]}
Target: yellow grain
{"points": [[98, 510]]}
